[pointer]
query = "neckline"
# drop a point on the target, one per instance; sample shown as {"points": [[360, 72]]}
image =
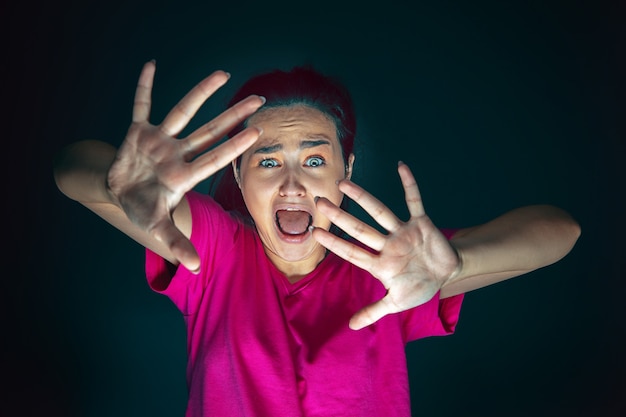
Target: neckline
{"points": [[282, 280]]}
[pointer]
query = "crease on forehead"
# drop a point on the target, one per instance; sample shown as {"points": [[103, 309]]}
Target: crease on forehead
{"points": [[285, 120], [291, 116], [310, 141]]}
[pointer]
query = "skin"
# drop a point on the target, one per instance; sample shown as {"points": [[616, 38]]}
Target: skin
{"points": [[140, 187], [153, 169], [296, 159]]}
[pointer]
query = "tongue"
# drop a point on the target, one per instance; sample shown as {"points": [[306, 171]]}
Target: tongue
{"points": [[293, 222]]}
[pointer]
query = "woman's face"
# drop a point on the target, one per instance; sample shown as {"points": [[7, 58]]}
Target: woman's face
{"points": [[297, 158]]}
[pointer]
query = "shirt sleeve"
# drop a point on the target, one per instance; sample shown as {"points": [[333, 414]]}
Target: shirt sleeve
{"points": [[213, 231]]}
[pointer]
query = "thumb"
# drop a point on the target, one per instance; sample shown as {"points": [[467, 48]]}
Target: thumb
{"points": [[180, 247], [370, 314]]}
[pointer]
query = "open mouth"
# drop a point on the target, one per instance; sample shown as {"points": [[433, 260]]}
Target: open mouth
{"points": [[293, 222]]}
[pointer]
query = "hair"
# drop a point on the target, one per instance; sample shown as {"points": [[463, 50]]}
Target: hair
{"points": [[301, 85]]}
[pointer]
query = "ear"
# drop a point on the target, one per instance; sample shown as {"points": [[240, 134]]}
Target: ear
{"points": [[349, 166], [236, 172]]}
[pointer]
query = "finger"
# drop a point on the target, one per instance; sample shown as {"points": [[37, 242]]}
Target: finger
{"points": [[411, 191], [370, 314], [371, 205], [143, 100], [181, 114], [202, 138], [346, 250], [181, 247], [359, 230], [209, 163]]}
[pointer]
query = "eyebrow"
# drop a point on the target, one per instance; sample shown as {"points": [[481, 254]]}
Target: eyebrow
{"points": [[305, 144]]}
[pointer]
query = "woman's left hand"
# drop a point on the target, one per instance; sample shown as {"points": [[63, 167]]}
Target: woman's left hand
{"points": [[412, 261]]}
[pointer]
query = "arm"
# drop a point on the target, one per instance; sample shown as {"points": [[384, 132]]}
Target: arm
{"points": [[80, 172], [513, 244], [414, 261], [140, 187]]}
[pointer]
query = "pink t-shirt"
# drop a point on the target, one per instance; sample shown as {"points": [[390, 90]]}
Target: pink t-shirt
{"points": [[260, 346]]}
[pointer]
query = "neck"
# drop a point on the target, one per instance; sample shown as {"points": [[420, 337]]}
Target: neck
{"points": [[296, 270]]}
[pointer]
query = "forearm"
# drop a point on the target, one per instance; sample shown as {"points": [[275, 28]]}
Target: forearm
{"points": [[515, 243], [80, 171]]}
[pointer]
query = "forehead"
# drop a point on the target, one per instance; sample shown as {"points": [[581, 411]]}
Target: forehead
{"points": [[296, 122]]}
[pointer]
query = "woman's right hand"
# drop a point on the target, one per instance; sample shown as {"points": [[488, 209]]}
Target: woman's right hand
{"points": [[153, 169]]}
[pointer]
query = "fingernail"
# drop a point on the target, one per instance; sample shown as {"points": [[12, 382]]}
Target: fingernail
{"points": [[260, 130], [227, 74], [153, 61], [400, 163], [263, 99]]}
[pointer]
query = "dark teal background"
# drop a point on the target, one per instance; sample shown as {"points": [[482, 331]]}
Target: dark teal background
{"points": [[493, 104]]}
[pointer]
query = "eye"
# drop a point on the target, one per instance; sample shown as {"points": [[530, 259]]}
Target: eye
{"points": [[314, 161], [268, 163]]}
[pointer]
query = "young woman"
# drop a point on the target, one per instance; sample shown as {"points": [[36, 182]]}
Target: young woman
{"points": [[285, 317]]}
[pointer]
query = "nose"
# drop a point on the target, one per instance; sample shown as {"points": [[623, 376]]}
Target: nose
{"points": [[291, 185]]}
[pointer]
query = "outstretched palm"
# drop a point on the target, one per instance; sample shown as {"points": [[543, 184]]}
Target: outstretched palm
{"points": [[412, 260], [153, 169]]}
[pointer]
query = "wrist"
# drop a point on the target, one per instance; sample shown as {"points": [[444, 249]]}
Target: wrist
{"points": [[110, 195], [459, 266]]}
